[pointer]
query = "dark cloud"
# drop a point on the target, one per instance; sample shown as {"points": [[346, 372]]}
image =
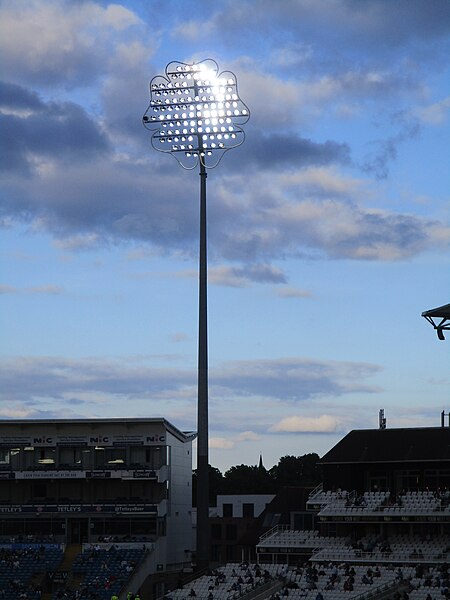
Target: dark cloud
{"points": [[31, 379], [261, 274], [16, 97], [273, 149], [399, 21], [346, 25], [378, 162], [242, 276], [60, 378], [253, 218], [293, 379], [33, 131]]}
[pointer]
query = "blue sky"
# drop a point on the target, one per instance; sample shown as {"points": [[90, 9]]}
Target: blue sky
{"points": [[329, 229]]}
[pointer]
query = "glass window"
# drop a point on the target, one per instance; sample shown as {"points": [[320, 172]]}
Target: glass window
{"points": [[248, 510], [227, 510], [109, 458], [44, 458], [70, 457]]}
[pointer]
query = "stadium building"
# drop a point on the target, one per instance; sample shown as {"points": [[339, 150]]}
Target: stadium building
{"points": [[98, 481], [384, 498]]}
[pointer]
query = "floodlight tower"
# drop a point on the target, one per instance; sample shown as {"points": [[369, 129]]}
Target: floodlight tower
{"points": [[442, 313], [195, 114]]}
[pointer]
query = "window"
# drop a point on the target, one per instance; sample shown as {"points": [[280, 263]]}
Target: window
{"points": [[44, 458], [227, 510], [109, 458], [70, 457], [248, 510]]}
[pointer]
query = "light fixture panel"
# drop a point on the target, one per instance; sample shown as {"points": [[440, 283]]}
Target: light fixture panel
{"points": [[197, 97]]}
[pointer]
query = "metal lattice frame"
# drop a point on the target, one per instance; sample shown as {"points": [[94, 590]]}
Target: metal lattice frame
{"points": [[195, 113], [442, 313]]}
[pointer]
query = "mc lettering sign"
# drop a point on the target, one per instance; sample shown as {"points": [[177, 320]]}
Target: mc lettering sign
{"points": [[43, 440], [155, 439], [100, 440]]}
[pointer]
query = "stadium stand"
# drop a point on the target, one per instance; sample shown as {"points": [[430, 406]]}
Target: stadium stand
{"points": [[101, 573], [377, 527], [20, 564]]}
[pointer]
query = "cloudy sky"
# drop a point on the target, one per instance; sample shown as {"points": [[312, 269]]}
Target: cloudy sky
{"points": [[329, 229]]}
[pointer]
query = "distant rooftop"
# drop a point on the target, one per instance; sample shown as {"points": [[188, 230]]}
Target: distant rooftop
{"points": [[391, 445]]}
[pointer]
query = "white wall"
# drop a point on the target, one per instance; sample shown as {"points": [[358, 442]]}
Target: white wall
{"points": [[237, 500], [179, 517]]}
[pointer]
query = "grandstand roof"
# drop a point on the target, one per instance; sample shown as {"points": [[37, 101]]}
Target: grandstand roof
{"points": [[127, 422], [391, 445]]}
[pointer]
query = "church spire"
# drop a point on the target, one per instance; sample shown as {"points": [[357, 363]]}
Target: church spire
{"points": [[261, 467]]}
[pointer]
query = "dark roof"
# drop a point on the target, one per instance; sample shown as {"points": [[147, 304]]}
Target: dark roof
{"points": [[182, 435], [442, 312], [391, 445]]}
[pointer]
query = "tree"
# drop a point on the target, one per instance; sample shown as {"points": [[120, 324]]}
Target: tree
{"points": [[215, 485], [296, 471], [245, 479]]}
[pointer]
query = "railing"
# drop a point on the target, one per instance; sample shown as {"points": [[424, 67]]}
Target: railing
{"points": [[275, 529], [375, 591], [331, 554], [316, 490]]}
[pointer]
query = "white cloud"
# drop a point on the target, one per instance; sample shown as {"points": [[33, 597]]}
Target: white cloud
{"points": [[15, 413], [53, 290], [221, 443], [59, 41], [292, 292], [325, 181], [178, 337], [8, 289], [299, 424], [248, 436], [435, 114], [79, 242]]}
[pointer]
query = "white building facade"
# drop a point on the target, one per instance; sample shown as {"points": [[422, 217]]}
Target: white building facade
{"points": [[102, 481]]}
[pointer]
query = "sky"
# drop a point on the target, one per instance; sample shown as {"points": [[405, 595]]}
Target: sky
{"points": [[328, 229]]}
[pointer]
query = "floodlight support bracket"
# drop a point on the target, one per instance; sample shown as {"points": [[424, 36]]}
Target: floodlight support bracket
{"points": [[440, 327]]}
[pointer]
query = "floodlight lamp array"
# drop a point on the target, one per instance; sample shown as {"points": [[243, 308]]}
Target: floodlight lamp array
{"points": [[195, 113]]}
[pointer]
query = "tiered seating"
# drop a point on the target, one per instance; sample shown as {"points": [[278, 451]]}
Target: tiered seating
{"points": [[397, 549], [337, 582], [18, 566], [427, 582], [409, 503], [227, 582], [300, 539], [328, 497], [105, 571]]}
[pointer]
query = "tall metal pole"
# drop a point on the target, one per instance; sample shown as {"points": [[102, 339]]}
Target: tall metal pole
{"points": [[202, 406], [196, 114]]}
